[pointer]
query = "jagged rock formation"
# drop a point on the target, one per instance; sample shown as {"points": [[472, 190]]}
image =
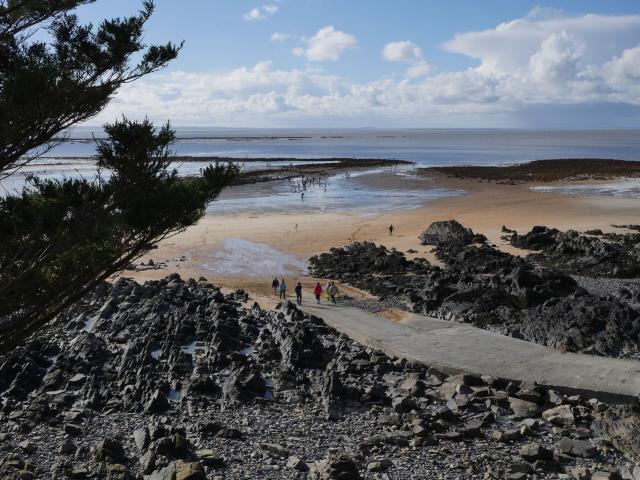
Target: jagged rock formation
{"points": [[492, 289], [174, 380], [598, 254]]}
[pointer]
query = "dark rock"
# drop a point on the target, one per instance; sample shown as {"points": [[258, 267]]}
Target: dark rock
{"points": [[73, 429], [449, 234], [577, 448], [532, 452], [275, 449], [335, 467], [157, 403], [620, 425], [210, 458], [522, 408], [561, 415], [297, 464]]}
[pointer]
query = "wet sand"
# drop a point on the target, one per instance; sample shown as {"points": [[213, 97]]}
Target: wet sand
{"points": [[288, 235]]}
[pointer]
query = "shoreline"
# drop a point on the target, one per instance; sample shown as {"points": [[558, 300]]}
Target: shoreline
{"points": [[485, 207]]}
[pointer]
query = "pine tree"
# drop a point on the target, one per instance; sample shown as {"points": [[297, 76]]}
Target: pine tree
{"points": [[60, 238]]}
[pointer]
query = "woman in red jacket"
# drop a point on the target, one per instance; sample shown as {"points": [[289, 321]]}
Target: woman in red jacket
{"points": [[317, 292]]}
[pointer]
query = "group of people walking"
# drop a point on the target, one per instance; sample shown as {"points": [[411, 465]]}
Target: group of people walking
{"points": [[280, 289]]}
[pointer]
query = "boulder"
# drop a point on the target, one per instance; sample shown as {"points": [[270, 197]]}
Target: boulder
{"points": [[335, 467], [577, 448], [189, 471], [157, 403], [532, 452], [561, 415], [210, 458], [449, 233], [523, 408]]}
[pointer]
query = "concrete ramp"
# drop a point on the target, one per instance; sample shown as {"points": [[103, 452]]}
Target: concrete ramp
{"points": [[453, 348]]}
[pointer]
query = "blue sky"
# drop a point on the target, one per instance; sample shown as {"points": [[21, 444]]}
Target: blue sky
{"points": [[389, 63]]}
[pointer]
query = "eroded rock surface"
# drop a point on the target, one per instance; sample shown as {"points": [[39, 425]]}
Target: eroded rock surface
{"points": [[175, 380], [482, 285]]}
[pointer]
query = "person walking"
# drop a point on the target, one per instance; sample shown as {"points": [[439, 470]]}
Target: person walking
{"points": [[332, 291], [275, 285], [298, 290], [283, 289], [391, 230], [318, 292]]}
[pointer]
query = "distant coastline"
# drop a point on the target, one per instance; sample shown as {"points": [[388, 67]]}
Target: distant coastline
{"points": [[565, 170]]}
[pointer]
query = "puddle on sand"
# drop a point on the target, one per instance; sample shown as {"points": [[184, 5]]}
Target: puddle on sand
{"points": [[624, 188], [244, 258]]}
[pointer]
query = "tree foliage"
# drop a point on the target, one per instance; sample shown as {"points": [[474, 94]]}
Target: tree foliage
{"points": [[60, 238], [48, 86]]}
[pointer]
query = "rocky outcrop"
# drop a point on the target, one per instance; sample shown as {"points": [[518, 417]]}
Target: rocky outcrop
{"points": [[175, 380], [449, 236], [492, 289], [621, 424], [599, 254]]}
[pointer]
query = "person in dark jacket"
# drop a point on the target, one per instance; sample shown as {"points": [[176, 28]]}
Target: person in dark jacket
{"points": [[298, 290], [275, 285]]}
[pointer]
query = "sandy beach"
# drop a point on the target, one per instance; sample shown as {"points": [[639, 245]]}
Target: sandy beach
{"points": [[257, 242]]}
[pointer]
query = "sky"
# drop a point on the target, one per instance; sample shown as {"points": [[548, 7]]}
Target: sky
{"points": [[384, 63]]}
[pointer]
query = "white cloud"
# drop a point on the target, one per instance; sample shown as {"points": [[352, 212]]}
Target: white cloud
{"points": [[260, 13], [624, 69], [557, 59], [529, 63], [280, 37], [540, 12], [327, 44], [418, 69], [407, 52], [403, 51], [510, 45], [253, 14]]}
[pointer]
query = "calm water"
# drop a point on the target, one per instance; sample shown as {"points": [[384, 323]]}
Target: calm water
{"points": [[425, 147], [428, 147]]}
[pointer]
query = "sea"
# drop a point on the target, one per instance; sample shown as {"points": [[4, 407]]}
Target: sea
{"points": [[425, 147], [428, 147]]}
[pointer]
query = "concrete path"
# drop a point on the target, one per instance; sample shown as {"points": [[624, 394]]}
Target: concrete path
{"points": [[453, 348]]}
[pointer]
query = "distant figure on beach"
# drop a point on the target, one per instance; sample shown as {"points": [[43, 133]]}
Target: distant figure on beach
{"points": [[283, 289], [275, 285], [298, 290], [318, 292], [332, 291], [302, 196], [391, 230]]}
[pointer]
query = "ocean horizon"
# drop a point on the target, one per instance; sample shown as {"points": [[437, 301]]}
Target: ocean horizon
{"points": [[427, 147]]}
